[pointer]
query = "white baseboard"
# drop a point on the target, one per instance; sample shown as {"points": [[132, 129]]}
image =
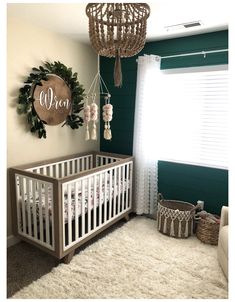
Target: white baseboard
{"points": [[12, 240]]}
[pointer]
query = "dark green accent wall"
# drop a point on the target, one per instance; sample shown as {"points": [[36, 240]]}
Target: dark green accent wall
{"points": [[123, 101], [191, 183], [122, 125]]}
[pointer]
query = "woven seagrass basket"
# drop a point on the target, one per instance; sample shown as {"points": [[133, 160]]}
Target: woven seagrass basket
{"points": [[208, 231], [175, 218]]}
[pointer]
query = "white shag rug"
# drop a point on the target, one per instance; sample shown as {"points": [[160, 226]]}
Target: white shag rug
{"points": [[136, 261]]}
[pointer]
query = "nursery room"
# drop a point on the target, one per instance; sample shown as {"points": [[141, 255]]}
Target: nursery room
{"points": [[117, 150]]}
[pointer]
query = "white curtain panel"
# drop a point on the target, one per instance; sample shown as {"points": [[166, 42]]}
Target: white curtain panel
{"points": [[145, 144]]}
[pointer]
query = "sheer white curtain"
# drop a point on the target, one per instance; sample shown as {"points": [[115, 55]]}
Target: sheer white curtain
{"points": [[145, 142]]}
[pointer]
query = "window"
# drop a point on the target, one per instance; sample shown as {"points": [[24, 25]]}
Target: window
{"points": [[191, 115]]}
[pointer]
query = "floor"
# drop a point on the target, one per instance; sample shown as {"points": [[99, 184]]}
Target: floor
{"points": [[26, 263]]}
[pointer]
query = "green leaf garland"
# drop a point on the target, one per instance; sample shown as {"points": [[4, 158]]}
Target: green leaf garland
{"points": [[26, 100]]}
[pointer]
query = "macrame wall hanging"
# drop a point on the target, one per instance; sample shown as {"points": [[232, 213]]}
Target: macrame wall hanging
{"points": [[98, 89], [107, 117]]}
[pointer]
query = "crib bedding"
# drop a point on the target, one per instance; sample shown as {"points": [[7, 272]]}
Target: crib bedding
{"points": [[47, 208]]}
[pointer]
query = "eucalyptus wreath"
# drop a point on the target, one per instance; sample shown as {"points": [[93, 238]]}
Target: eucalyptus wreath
{"points": [[26, 101]]}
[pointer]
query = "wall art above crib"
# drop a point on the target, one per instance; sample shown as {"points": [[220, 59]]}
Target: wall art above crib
{"points": [[51, 95]]}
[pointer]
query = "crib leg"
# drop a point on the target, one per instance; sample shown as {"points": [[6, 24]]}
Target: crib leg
{"points": [[126, 217], [68, 257]]}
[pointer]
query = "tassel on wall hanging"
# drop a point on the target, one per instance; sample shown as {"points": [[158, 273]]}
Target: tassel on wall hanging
{"points": [[97, 89], [94, 117], [107, 117]]}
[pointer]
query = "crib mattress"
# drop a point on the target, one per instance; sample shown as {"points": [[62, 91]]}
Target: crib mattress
{"points": [[99, 194]]}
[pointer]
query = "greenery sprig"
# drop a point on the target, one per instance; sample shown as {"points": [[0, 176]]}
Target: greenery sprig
{"points": [[26, 100]]}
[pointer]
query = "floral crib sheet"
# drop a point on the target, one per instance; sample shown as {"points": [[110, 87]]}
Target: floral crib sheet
{"points": [[100, 198]]}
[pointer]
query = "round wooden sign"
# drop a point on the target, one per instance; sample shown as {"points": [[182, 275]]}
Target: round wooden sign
{"points": [[52, 100]]}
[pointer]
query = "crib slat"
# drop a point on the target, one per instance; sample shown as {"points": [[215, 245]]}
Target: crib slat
{"points": [[94, 200], [69, 191], [105, 196], [89, 204], [59, 170], [130, 184], [34, 210], [82, 160], [83, 207], [56, 170], [44, 171], [52, 217], [123, 182], [76, 210], [127, 185], [46, 214], [110, 193], [19, 220], [28, 207], [91, 162], [78, 165], [23, 204], [73, 166], [62, 170], [67, 169], [119, 189], [40, 212], [87, 163], [51, 170], [97, 158], [115, 190], [100, 197], [63, 211]]}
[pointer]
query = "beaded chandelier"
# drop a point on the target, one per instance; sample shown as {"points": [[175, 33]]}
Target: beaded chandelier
{"points": [[117, 30]]}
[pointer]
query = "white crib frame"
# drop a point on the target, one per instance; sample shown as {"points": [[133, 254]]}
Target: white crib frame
{"points": [[55, 235]]}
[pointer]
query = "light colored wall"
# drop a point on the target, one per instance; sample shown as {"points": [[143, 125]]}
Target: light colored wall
{"points": [[29, 46]]}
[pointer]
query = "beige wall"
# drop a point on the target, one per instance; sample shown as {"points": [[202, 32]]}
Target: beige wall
{"points": [[29, 46]]}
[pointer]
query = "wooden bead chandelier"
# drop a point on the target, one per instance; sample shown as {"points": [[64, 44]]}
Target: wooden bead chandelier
{"points": [[117, 30]]}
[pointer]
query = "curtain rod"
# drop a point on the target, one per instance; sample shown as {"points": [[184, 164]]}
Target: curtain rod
{"points": [[195, 53], [203, 52]]}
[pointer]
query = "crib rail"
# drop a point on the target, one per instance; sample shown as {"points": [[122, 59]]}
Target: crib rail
{"points": [[102, 160], [91, 201], [66, 167], [35, 210]]}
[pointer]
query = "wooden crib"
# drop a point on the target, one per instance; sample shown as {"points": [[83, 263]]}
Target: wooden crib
{"points": [[59, 204]]}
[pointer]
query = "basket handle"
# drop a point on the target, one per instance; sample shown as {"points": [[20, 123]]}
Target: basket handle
{"points": [[195, 208], [160, 197]]}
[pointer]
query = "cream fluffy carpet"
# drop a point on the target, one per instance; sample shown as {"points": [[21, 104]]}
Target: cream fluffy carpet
{"points": [[136, 261]]}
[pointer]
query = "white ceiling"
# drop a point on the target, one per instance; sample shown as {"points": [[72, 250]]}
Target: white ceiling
{"points": [[70, 18]]}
